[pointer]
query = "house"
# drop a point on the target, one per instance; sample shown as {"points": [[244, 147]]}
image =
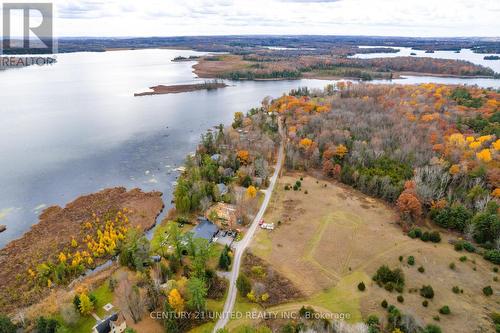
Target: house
{"points": [[227, 216], [205, 229], [114, 323], [222, 188]]}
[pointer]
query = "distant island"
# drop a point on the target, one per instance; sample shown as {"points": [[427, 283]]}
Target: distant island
{"points": [[175, 89], [181, 58], [491, 57]]}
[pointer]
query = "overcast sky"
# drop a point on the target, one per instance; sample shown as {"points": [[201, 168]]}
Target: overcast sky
{"points": [[328, 17]]}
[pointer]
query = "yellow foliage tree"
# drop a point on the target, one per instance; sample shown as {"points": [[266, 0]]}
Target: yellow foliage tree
{"points": [[243, 156], [457, 139], [62, 257], [74, 243], [341, 150], [86, 306], [305, 143], [454, 169], [496, 145], [496, 193], [484, 155], [251, 191], [475, 145], [175, 300]]}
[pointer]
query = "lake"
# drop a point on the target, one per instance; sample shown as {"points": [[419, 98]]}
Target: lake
{"points": [[464, 54], [75, 127]]}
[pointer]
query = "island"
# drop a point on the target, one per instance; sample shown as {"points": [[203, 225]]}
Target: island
{"points": [[180, 88], [3, 228], [491, 57]]}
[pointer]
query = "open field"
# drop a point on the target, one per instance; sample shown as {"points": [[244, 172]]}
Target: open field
{"points": [[334, 237]]}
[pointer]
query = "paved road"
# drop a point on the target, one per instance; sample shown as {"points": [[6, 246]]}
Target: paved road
{"points": [[240, 246]]}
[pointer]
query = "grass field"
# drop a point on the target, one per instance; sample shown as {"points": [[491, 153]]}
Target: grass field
{"points": [[333, 237]]}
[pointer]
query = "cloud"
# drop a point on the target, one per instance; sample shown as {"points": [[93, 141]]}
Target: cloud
{"points": [[347, 17]]}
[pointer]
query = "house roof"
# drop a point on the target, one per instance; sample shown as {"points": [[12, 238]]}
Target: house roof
{"points": [[104, 326], [205, 229]]}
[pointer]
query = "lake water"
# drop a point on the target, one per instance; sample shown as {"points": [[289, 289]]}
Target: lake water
{"points": [[465, 54], [75, 127]]}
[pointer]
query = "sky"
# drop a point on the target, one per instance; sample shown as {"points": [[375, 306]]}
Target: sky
{"points": [[418, 18]]}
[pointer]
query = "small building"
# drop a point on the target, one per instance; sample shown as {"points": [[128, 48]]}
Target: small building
{"points": [[205, 229], [114, 323]]}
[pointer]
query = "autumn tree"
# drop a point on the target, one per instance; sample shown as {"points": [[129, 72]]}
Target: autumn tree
{"points": [[86, 306], [175, 300], [251, 191], [409, 205]]}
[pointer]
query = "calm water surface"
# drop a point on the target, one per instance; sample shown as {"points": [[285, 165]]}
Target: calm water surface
{"points": [[464, 54], [75, 127]]}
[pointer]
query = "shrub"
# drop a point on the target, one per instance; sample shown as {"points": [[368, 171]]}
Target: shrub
{"points": [[427, 292], [306, 312], [488, 291], [425, 236], [361, 286], [495, 316], [418, 232], [456, 217], [384, 304], [411, 260], [44, 325], [469, 247], [372, 320], [243, 284], [384, 275], [400, 258], [6, 324], [432, 329], [412, 234], [463, 258], [493, 256], [445, 310], [435, 237], [425, 303], [495, 269], [452, 265], [399, 288], [421, 269], [400, 299], [459, 246], [455, 289], [389, 286]]}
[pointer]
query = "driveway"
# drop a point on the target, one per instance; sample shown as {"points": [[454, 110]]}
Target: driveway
{"points": [[239, 247]]}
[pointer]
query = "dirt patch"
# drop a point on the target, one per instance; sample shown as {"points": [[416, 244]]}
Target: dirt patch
{"points": [[279, 288], [335, 237], [54, 233]]}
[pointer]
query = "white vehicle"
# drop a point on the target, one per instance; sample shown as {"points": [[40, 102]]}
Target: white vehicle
{"points": [[268, 226]]}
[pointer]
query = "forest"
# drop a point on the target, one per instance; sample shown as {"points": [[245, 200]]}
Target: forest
{"points": [[274, 65], [432, 150]]}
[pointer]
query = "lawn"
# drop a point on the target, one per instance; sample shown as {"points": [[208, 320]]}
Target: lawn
{"points": [[85, 323], [333, 237]]}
